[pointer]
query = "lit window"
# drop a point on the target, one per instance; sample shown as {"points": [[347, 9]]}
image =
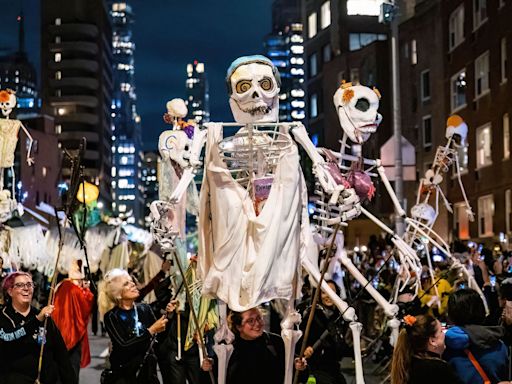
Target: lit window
{"points": [[482, 74], [414, 53], [456, 27], [503, 60], [58, 75], [364, 7], [506, 136], [479, 13], [312, 25], [44, 171], [58, 129], [58, 57], [325, 15], [508, 210], [425, 85], [483, 146], [58, 21], [313, 67], [485, 215], [297, 93], [122, 207], [297, 49], [313, 105], [427, 132], [113, 172], [461, 221], [458, 90], [57, 39]]}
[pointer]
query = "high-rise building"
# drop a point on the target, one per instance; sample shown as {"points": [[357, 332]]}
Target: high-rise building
{"points": [[198, 96], [126, 136], [76, 82], [149, 182], [18, 74], [284, 46]]}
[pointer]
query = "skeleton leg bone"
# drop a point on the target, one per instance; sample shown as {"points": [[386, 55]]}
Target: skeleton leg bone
{"points": [[356, 328]]}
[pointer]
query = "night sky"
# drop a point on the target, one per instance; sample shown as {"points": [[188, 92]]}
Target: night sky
{"points": [[169, 34]]}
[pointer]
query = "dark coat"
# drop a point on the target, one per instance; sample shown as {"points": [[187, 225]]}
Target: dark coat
{"points": [[20, 347], [430, 369]]}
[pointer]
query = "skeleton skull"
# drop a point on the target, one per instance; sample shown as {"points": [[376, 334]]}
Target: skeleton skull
{"points": [[174, 145], [7, 101], [456, 126], [357, 106], [424, 212], [253, 84], [176, 108]]}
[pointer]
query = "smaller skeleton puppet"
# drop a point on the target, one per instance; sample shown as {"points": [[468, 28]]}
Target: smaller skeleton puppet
{"points": [[254, 232], [8, 140]]}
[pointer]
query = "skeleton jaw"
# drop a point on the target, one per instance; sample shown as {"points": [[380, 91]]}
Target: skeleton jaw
{"points": [[258, 108]]}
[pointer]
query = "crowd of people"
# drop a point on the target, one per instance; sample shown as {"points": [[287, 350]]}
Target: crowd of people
{"points": [[447, 334]]}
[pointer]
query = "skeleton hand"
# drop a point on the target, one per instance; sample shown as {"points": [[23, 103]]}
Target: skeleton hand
{"points": [[349, 205], [30, 161], [471, 215], [161, 226], [325, 178]]}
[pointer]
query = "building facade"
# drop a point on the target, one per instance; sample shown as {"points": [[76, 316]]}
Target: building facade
{"points": [[461, 66], [76, 82], [127, 192], [197, 92], [284, 46], [149, 182]]}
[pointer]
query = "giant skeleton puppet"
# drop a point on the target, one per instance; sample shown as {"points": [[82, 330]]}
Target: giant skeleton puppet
{"points": [[8, 140], [424, 215], [254, 231]]}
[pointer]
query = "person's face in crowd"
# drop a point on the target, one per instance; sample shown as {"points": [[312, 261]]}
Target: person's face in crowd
{"points": [[21, 291], [252, 324], [130, 291], [436, 342], [326, 300]]}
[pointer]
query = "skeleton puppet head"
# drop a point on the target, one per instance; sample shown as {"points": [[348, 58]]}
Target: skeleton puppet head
{"points": [[456, 126], [424, 211], [177, 108], [7, 101], [253, 86], [357, 106]]}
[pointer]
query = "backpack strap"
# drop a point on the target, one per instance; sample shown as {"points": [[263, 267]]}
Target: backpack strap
{"points": [[477, 366]]}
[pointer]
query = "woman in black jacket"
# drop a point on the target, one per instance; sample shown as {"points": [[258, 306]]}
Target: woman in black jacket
{"points": [[21, 334], [132, 329], [417, 354]]}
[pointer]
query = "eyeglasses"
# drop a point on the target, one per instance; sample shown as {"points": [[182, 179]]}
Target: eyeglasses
{"points": [[253, 320], [28, 285]]}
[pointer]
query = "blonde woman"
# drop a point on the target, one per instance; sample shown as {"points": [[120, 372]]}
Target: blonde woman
{"points": [[132, 328]]}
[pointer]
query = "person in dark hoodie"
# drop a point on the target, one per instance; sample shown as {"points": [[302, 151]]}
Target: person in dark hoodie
{"points": [[475, 351]]}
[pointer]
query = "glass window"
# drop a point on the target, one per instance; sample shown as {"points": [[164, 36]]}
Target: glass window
{"points": [[506, 136], [425, 85], [427, 132], [312, 25], [58, 21], [483, 146], [456, 26], [325, 15], [482, 74], [326, 53], [463, 158], [508, 210], [503, 58], [313, 65], [58, 57], [461, 221], [414, 53], [313, 105], [458, 90], [485, 215], [479, 13]]}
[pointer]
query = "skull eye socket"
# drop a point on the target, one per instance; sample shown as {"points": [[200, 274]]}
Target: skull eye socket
{"points": [[362, 104], [266, 84], [243, 86]]}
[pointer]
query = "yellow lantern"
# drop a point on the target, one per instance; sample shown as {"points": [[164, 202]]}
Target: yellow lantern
{"points": [[87, 192]]}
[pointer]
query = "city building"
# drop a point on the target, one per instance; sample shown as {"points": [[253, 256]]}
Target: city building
{"points": [[126, 131], [149, 182], [198, 96], [462, 66], [76, 83], [284, 46], [18, 74]]}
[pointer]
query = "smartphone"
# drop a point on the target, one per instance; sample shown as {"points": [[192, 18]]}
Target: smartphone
{"points": [[493, 280]]}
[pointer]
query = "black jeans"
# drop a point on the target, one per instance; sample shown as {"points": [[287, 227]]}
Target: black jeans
{"points": [[187, 370]]}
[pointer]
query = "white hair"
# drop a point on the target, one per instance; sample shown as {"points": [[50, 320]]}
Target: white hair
{"points": [[114, 280]]}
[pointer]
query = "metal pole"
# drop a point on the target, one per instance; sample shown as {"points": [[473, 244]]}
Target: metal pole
{"points": [[397, 129]]}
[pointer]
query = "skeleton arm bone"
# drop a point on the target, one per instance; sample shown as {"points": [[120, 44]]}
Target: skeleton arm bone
{"points": [[30, 161], [389, 188], [190, 172]]}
